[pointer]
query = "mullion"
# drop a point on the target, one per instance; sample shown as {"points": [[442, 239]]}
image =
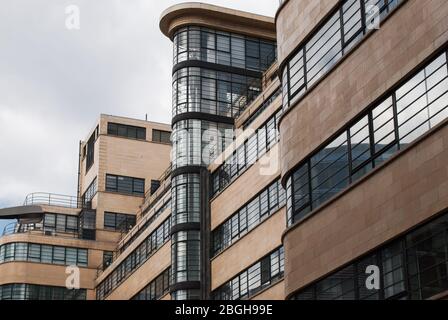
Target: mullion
{"points": [[341, 29], [324, 55]]}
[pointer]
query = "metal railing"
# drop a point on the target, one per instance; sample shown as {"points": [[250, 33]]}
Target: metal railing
{"points": [[15, 227], [143, 224], [36, 228], [166, 176], [51, 199], [252, 95]]}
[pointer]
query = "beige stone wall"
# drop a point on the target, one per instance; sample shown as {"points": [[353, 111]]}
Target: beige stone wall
{"points": [[404, 41], [42, 274], [135, 158], [407, 191], [276, 292], [125, 157], [256, 244], [296, 19]]}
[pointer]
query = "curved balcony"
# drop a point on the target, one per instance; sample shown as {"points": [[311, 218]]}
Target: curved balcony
{"points": [[14, 228], [51, 199], [35, 228]]}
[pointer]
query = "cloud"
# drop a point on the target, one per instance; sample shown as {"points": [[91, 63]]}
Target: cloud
{"points": [[54, 83]]}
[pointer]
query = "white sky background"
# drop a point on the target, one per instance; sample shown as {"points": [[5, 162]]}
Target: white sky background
{"points": [[54, 83]]}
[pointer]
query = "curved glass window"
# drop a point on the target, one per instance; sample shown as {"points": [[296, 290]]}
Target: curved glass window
{"points": [[197, 43], [199, 142], [40, 253], [411, 110], [212, 92], [191, 294], [186, 198], [344, 29], [186, 256], [22, 291]]}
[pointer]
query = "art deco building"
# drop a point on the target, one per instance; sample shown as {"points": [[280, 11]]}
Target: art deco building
{"points": [[308, 158]]}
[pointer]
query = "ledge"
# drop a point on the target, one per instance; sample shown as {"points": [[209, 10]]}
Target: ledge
{"points": [[195, 13]]}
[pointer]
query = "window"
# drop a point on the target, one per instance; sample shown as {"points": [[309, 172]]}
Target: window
{"points": [[60, 223], [91, 150], [46, 254], [21, 251], [186, 256], [59, 255], [155, 184], [40, 253], [252, 280], [135, 259], [383, 129], [213, 92], [161, 136], [127, 185], [186, 205], [34, 253], [88, 195], [266, 203], [247, 154], [83, 257], [119, 221], [338, 34], [50, 221], [71, 256], [37, 292], [197, 43], [126, 131], [72, 224]]}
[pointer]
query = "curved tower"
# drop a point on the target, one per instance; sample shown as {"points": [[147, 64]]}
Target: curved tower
{"points": [[218, 59]]}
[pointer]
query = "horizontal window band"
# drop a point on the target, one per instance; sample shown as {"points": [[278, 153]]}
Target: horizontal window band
{"points": [[217, 67], [186, 285], [189, 226], [202, 116], [387, 94]]}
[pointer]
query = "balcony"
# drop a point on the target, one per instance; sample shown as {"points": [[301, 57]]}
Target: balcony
{"points": [[36, 229], [268, 75], [50, 199]]}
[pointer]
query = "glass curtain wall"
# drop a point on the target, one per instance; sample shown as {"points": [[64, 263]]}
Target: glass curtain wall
{"points": [[215, 75]]}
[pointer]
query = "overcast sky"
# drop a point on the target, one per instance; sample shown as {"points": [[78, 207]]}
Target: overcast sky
{"points": [[54, 82]]}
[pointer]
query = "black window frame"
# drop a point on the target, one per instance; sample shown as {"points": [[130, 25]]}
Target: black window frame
{"points": [[161, 136], [127, 131], [113, 185]]}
